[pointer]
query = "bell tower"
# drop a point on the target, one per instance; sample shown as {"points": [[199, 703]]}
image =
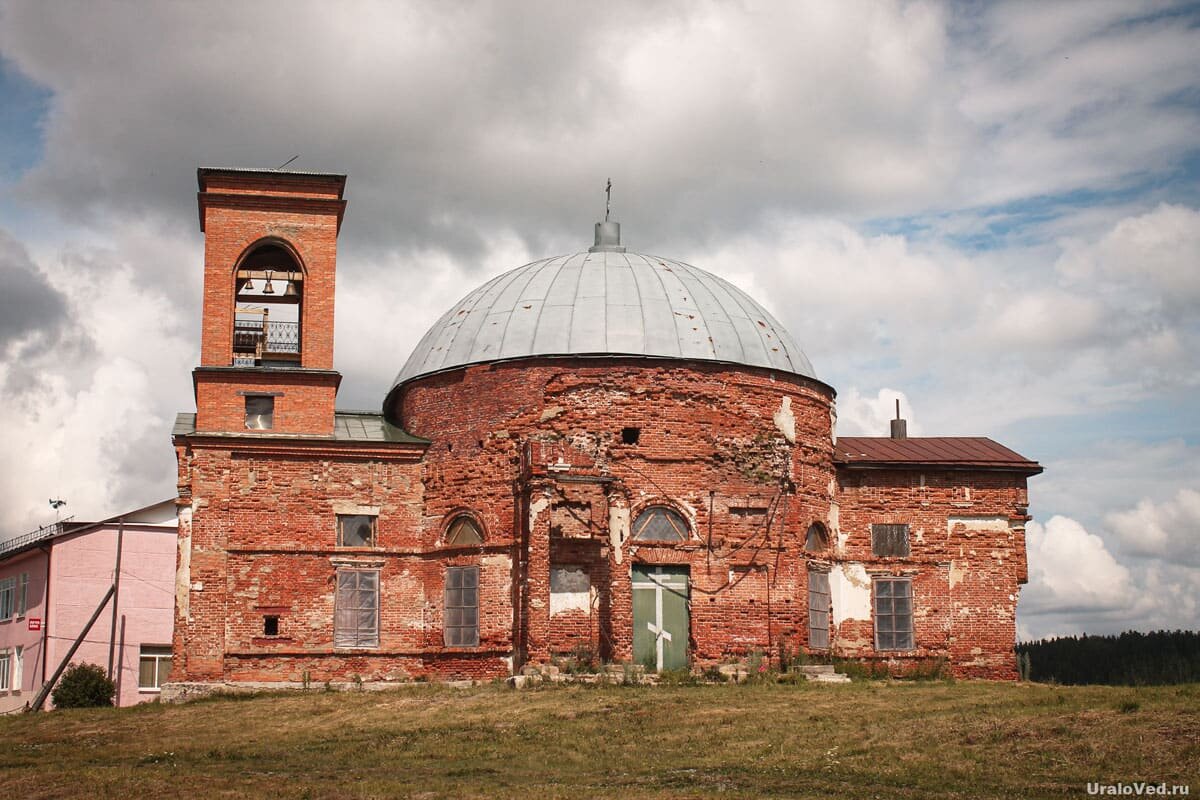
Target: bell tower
{"points": [[270, 261]]}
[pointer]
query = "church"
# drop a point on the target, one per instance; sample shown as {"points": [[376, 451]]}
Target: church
{"points": [[604, 457]]}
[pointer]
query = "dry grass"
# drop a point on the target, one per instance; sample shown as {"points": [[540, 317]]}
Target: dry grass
{"points": [[863, 740]]}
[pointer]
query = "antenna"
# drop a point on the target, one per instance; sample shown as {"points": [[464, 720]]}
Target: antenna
{"points": [[56, 505], [290, 160], [607, 198]]}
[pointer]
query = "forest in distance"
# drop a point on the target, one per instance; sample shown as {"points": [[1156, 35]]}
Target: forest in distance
{"points": [[1128, 659]]}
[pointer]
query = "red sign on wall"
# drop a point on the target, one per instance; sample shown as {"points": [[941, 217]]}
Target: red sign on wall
{"points": [[35, 623]]}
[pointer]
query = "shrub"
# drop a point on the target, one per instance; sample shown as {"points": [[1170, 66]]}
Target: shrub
{"points": [[84, 686]]}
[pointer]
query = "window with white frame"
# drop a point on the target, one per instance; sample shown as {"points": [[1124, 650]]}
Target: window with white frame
{"points": [[893, 614], [22, 594], [8, 597], [154, 665], [356, 608], [5, 670]]}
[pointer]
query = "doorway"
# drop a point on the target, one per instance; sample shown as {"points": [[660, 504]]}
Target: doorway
{"points": [[660, 616]]}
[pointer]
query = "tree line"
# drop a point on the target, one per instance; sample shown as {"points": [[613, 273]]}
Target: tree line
{"points": [[1130, 659]]}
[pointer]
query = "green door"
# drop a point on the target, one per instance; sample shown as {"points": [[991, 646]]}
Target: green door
{"points": [[660, 616]]}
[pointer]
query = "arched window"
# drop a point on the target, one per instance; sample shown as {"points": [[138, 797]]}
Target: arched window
{"points": [[817, 538], [463, 531], [660, 524], [268, 294]]}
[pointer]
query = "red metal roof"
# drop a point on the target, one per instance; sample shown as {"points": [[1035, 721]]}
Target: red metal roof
{"points": [[950, 451]]}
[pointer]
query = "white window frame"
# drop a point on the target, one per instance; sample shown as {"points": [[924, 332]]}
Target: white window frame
{"points": [[5, 670], [157, 657], [17, 669], [23, 595], [8, 597]]}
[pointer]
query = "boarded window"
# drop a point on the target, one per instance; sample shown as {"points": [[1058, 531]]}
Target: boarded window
{"points": [[570, 590], [356, 615], [462, 607], [889, 540], [154, 666], [818, 609], [893, 614], [356, 530], [816, 540], [660, 524], [463, 531]]}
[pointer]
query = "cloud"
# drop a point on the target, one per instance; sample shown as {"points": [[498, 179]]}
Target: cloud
{"points": [[456, 123], [872, 416], [92, 424], [1072, 96], [32, 314], [1168, 530], [1071, 571], [1077, 585]]}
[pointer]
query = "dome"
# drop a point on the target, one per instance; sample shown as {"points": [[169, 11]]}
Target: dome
{"points": [[606, 302]]}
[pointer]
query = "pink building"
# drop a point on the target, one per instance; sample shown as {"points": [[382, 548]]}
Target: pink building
{"points": [[51, 582]]}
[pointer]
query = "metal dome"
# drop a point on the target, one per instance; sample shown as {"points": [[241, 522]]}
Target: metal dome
{"points": [[606, 302]]}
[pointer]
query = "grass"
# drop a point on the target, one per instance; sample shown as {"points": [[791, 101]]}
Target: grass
{"points": [[862, 740]]}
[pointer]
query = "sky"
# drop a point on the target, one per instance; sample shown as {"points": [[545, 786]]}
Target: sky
{"points": [[988, 210]]}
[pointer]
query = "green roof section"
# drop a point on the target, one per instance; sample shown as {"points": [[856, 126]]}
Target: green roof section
{"points": [[348, 426]]}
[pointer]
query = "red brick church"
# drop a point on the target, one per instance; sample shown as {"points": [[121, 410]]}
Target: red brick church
{"points": [[603, 455]]}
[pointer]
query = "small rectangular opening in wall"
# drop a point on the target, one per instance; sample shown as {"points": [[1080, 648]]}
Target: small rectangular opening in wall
{"points": [[748, 511], [271, 625], [630, 435], [260, 412]]}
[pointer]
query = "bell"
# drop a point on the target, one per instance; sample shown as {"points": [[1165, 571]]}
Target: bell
{"points": [[291, 292], [247, 286], [269, 289]]}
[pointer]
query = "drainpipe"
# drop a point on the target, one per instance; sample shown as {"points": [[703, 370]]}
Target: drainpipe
{"points": [[49, 549]]}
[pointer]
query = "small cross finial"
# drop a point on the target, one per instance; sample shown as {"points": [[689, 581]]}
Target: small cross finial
{"points": [[607, 198]]}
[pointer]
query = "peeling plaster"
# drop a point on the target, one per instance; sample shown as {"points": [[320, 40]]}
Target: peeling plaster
{"points": [[342, 507], [535, 508], [958, 571], [989, 523], [183, 574], [618, 529], [785, 420], [850, 592]]}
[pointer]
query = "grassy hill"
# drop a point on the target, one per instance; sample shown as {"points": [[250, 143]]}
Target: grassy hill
{"points": [[867, 739]]}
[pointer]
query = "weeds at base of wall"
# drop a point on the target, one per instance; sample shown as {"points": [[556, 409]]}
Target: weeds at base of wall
{"points": [[929, 669]]}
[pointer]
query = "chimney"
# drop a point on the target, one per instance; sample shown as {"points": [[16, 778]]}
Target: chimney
{"points": [[899, 426]]}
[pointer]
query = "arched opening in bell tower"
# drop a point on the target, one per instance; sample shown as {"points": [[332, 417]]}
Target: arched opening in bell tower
{"points": [[268, 306]]}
